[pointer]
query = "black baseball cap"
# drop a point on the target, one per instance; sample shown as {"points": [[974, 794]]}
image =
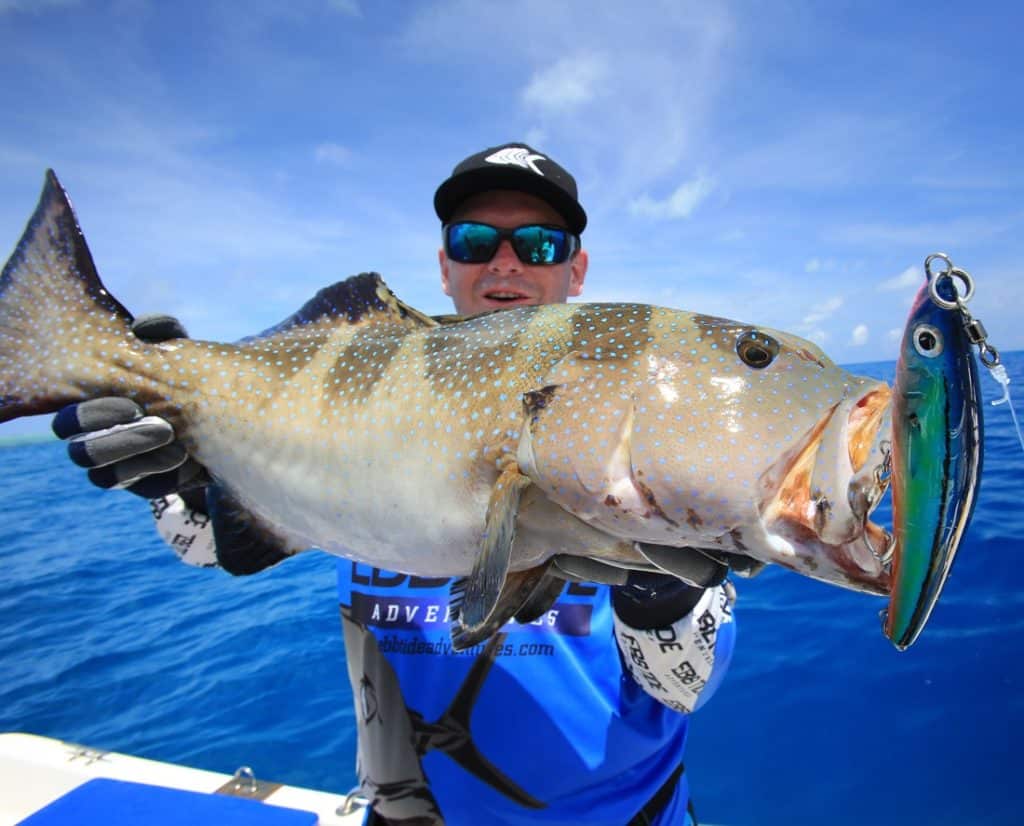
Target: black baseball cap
{"points": [[514, 166]]}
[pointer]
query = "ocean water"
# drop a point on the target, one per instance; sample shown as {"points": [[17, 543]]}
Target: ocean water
{"points": [[106, 639]]}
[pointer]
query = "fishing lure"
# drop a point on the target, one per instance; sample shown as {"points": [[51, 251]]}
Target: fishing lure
{"points": [[937, 442]]}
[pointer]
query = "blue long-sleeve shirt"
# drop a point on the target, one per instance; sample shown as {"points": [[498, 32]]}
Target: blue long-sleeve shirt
{"points": [[545, 723]]}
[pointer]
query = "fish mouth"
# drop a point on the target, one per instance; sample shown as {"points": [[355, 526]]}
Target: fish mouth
{"points": [[817, 499]]}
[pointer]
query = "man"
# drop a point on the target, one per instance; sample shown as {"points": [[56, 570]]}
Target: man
{"points": [[576, 717]]}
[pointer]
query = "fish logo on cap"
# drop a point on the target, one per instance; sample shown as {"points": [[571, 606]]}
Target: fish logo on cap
{"points": [[516, 156]]}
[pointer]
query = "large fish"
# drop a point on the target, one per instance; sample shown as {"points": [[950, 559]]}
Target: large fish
{"points": [[936, 453], [480, 447]]}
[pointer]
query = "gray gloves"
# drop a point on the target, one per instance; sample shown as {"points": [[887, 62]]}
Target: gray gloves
{"points": [[123, 447], [651, 600]]}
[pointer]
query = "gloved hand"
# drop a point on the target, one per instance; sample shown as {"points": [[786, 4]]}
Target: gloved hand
{"points": [[124, 448], [656, 600]]}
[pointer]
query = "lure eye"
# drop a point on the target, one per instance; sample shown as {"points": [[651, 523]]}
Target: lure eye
{"points": [[756, 349], [927, 341]]}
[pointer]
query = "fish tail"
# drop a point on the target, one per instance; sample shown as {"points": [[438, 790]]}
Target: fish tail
{"points": [[60, 329]]}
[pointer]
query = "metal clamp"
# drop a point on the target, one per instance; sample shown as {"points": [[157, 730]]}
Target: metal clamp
{"points": [[973, 327], [353, 802], [245, 784]]}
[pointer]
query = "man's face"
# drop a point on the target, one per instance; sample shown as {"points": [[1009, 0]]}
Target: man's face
{"points": [[505, 281]]}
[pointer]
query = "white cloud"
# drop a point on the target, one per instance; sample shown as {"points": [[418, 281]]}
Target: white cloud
{"points": [[535, 137], [333, 153], [34, 6], [825, 310], [910, 277], [680, 204], [961, 182], [894, 334], [661, 91], [627, 111], [828, 265], [569, 83], [823, 149], [859, 336], [938, 235], [349, 7]]}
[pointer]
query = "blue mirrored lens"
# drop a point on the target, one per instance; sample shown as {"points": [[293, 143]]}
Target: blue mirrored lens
{"points": [[472, 243], [541, 245]]}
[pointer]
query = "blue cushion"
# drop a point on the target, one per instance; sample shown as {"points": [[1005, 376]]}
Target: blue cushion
{"points": [[106, 802]]}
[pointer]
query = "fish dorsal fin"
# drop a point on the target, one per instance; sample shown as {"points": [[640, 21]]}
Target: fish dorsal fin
{"points": [[454, 318], [363, 298], [449, 318]]}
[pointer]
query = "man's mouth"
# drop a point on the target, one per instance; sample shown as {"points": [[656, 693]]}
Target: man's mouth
{"points": [[506, 296]]}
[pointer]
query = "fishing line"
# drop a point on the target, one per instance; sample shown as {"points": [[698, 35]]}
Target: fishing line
{"points": [[999, 373]]}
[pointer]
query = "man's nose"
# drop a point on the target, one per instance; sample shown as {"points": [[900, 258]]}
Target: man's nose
{"points": [[505, 259]]}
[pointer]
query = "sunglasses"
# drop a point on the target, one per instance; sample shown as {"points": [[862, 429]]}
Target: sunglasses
{"points": [[535, 244]]}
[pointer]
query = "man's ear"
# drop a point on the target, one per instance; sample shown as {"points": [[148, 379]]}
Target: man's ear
{"points": [[578, 273], [442, 261]]}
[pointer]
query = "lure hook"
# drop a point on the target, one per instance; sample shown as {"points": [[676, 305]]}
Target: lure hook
{"points": [[885, 555]]}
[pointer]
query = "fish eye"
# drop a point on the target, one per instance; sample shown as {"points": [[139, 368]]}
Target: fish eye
{"points": [[927, 340], [756, 349]]}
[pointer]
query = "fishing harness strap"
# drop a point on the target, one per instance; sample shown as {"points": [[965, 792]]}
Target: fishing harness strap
{"points": [[653, 807]]}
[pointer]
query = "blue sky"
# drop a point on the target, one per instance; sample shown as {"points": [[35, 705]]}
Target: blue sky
{"points": [[783, 163]]}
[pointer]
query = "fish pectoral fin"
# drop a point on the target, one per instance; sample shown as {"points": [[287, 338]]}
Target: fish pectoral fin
{"points": [[476, 598], [542, 595], [743, 565], [692, 565], [526, 594], [245, 545], [585, 569]]}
